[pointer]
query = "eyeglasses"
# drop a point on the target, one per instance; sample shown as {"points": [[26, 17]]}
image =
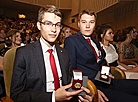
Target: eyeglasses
{"points": [[50, 24]]}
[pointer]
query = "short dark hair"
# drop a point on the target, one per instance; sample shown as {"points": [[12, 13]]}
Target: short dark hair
{"points": [[50, 9], [89, 12]]}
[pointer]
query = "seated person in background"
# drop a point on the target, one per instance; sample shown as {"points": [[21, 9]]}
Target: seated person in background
{"points": [[2, 35], [86, 54], [118, 38], [33, 37], [127, 50], [37, 77], [13, 39], [66, 32], [105, 35], [27, 38], [15, 36]]}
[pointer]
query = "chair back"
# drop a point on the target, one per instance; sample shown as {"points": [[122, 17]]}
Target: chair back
{"points": [[2, 45], [8, 63], [93, 89], [118, 73], [129, 62]]}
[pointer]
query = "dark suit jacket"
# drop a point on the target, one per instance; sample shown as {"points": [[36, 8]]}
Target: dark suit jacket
{"points": [[82, 55], [29, 74]]}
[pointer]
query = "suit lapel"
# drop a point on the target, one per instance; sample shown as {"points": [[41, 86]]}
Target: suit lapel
{"points": [[60, 54], [99, 48], [86, 44], [40, 60]]}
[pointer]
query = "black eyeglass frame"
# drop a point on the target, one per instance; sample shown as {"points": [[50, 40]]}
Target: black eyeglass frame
{"points": [[61, 26]]}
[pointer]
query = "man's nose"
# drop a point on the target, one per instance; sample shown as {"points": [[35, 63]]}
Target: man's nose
{"points": [[53, 28], [87, 25]]}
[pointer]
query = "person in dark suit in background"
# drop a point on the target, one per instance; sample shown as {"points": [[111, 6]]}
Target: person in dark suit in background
{"points": [[87, 54], [34, 77]]}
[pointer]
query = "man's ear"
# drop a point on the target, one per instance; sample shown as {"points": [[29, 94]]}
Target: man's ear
{"points": [[38, 25], [78, 24]]}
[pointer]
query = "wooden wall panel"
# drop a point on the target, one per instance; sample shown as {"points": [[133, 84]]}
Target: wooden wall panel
{"points": [[120, 23], [85, 4], [96, 5], [27, 1], [46, 2], [137, 20], [65, 4], [75, 7], [130, 20]]}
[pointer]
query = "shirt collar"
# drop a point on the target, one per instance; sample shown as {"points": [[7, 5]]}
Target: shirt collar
{"points": [[86, 37], [45, 47]]}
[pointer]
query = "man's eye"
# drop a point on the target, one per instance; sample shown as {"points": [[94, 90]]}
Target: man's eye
{"points": [[83, 22], [58, 25], [92, 22], [47, 23]]}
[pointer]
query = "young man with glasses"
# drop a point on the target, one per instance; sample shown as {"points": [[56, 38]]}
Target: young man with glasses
{"points": [[42, 69]]}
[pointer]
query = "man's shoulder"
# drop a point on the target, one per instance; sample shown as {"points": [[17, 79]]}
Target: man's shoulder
{"points": [[61, 49], [73, 37], [27, 47]]}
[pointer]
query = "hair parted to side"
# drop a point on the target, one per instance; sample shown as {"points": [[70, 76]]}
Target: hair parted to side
{"points": [[89, 12], [128, 30], [102, 29], [49, 9], [12, 32]]}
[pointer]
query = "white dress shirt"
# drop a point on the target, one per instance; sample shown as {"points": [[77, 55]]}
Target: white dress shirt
{"points": [[111, 54], [49, 75]]}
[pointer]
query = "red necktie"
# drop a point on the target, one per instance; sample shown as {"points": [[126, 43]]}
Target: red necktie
{"points": [[54, 69], [92, 48]]}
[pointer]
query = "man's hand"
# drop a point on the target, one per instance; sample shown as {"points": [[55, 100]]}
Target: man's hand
{"points": [[61, 94], [101, 96], [111, 76], [86, 98]]}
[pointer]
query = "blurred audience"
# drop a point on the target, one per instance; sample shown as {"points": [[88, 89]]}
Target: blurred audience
{"points": [[33, 37], [2, 35], [26, 38]]}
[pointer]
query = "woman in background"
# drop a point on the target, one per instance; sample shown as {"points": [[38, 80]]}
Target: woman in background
{"points": [[127, 50], [13, 39], [105, 35], [66, 32]]}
